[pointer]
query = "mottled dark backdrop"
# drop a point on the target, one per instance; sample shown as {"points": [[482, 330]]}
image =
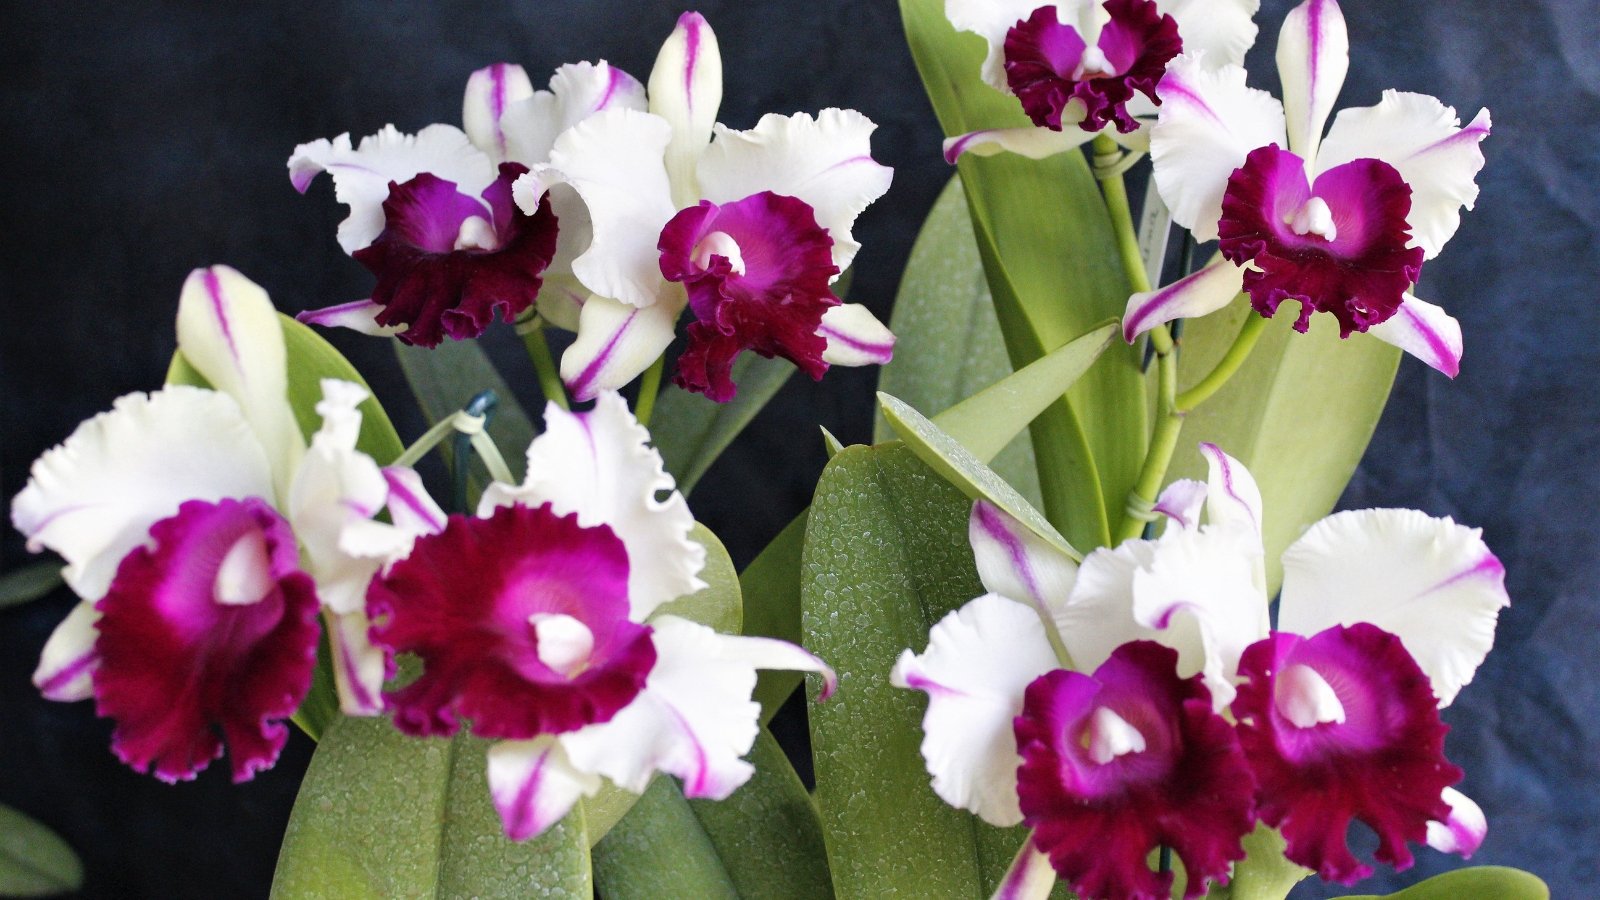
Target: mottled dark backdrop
{"points": [[144, 139]]}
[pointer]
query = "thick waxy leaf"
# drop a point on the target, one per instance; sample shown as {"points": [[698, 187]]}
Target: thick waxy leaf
{"points": [[1299, 414], [444, 378], [1052, 266], [885, 557], [34, 862], [311, 359], [695, 430], [764, 841], [384, 815], [29, 582], [948, 344], [1488, 882], [771, 586]]}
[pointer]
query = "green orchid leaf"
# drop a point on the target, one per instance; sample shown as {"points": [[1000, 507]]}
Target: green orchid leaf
{"points": [[885, 557], [1478, 882], [34, 862], [310, 359], [1264, 873], [445, 377], [771, 586], [1050, 257], [692, 430], [947, 339], [1298, 414], [30, 582], [382, 815], [763, 841]]}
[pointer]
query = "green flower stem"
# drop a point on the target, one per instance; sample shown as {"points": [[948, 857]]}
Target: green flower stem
{"points": [[1116, 194], [1169, 423], [428, 441], [1249, 334], [544, 364], [649, 389]]}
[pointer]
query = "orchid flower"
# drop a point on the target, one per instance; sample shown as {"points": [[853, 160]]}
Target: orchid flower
{"points": [[182, 515], [747, 228], [1081, 68], [546, 622], [431, 214], [1342, 223]]}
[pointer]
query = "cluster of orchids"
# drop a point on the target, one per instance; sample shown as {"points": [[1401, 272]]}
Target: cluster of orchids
{"points": [[1143, 701]]}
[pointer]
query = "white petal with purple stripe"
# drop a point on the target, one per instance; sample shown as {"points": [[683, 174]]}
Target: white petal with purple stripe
{"points": [[1204, 292], [534, 785], [1016, 563], [1313, 59], [1425, 331], [855, 337], [67, 663], [686, 90], [577, 91], [492, 90]]}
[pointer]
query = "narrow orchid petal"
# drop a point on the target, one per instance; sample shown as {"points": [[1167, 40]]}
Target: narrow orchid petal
{"points": [[694, 718], [359, 667], [357, 315], [992, 19], [1032, 142], [686, 90], [229, 331], [93, 498], [600, 465], [1432, 582], [491, 91], [362, 174], [534, 785], [1463, 832], [67, 663], [1224, 30], [1423, 139], [1016, 563], [410, 506], [1098, 616], [577, 91], [773, 654], [616, 342], [1233, 500], [1181, 503], [855, 337], [1030, 876], [1313, 58], [1202, 293], [979, 661], [824, 161], [561, 300], [1209, 122], [1425, 331], [614, 161]]}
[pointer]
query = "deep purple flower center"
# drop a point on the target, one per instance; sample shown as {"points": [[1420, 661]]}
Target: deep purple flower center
{"points": [[1049, 65], [1339, 246]]}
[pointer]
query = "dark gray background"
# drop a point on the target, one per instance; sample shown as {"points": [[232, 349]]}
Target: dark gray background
{"points": [[144, 139]]}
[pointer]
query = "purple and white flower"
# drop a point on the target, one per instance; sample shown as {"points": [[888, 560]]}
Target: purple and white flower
{"points": [[1081, 68], [747, 228], [182, 515], [1340, 223], [546, 621]]}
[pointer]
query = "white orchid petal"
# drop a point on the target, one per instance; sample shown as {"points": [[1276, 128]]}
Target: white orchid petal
{"points": [[411, 509], [577, 91], [1463, 831], [357, 315], [1313, 59], [686, 90], [1224, 30], [361, 175], [991, 19], [359, 667], [1202, 293], [614, 160], [1182, 501], [825, 161], [1034, 143], [600, 465], [491, 91], [771, 653], [1427, 580], [1233, 499], [855, 337], [1425, 331], [616, 342], [1098, 615], [1423, 139], [980, 659], [67, 663], [1209, 122], [1031, 877], [534, 785], [93, 498], [229, 332], [1016, 563], [694, 718]]}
